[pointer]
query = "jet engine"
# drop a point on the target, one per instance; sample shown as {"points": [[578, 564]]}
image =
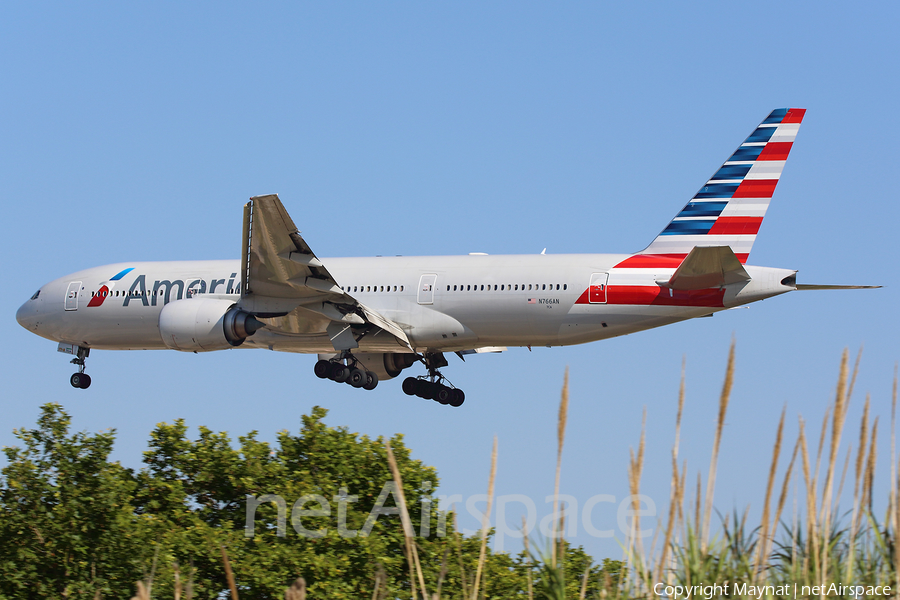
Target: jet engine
{"points": [[386, 365], [203, 324]]}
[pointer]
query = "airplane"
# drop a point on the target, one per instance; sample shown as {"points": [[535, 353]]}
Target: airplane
{"points": [[370, 318]]}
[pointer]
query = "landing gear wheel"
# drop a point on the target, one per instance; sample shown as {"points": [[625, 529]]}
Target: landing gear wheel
{"points": [[457, 397], [427, 390], [322, 368], [443, 395], [357, 378], [339, 373], [80, 380], [410, 386], [371, 381]]}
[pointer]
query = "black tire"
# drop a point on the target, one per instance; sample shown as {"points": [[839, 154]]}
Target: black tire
{"points": [[457, 398], [427, 390], [371, 381], [357, 378], [322, 369], [75, 380], [410, 386], [339, 373], [443, 394], [85, 381]]}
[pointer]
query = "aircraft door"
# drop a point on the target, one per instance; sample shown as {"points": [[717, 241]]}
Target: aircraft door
{"points": [[426, 289], [195, 286], [597, 290], [72, 295]]}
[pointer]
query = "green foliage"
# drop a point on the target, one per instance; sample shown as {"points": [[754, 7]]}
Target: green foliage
{"points": [[78, 525], [68, 527], [566, 579]]}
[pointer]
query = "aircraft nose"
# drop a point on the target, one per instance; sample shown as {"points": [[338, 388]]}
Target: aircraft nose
{"points": [[27, 315]]}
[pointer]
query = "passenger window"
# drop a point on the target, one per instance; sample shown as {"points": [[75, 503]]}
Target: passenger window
{"points": [[545, 286], [401, 288], [395, 288], [565, 286], [557, 286]]}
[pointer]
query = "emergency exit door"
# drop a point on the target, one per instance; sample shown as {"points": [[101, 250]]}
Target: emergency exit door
{"points": [[597, 291], [72, 295], [426, 289]]}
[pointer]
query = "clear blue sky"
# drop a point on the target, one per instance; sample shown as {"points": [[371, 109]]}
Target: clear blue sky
{"points": [[137, 131]]}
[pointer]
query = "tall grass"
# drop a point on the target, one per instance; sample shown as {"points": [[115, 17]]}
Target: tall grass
{"points": [[816, 545], [821, 547]]}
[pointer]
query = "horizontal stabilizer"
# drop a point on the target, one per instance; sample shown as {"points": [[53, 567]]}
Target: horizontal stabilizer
{"points": [[707, 267], [807, 286]]}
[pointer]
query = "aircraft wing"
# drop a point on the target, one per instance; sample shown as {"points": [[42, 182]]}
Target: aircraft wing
{"points": [[287, 286], [707, 267]]}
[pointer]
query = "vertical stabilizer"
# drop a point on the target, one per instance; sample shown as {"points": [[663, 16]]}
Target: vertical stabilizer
{"points": [[729, 209]]}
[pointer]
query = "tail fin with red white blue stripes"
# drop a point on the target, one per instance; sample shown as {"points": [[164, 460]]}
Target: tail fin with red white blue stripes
{"points": [[729, 209]]}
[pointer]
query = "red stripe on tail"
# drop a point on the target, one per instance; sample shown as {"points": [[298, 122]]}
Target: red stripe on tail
{"points": [[794, 115], [756, 188], [736, 226], [776, 151]]}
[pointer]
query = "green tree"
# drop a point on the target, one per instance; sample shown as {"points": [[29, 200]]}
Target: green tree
{"points": [[77, 525], [68, 526], [198, 490]]}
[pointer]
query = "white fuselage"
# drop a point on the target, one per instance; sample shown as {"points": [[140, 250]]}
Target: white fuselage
{"points": [[443, 303]]}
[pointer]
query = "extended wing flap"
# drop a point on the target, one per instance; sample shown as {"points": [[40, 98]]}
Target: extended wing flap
{"points": [[707, 267], [287, 285], [280, 263]]}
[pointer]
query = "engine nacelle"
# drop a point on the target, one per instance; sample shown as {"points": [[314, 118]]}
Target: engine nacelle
{"points": [[203, 324], [386, 365]]}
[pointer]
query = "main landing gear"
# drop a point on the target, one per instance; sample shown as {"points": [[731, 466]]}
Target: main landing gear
{"points": [[351, 373], [431, 386], [80, 379]]}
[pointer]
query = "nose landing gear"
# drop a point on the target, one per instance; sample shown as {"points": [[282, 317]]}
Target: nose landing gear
{"points": [[80, 379], [432, 386], [351, 373]]}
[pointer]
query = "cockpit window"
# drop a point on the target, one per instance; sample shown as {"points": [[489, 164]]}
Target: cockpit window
{"points": [[36, 294]]}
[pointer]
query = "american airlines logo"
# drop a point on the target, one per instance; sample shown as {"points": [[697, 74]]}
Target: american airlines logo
{"points": [[163, 291]]}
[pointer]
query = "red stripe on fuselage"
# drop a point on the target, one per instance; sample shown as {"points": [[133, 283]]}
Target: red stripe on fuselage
{"points": [[651, 261], [654, 295], [670, 261]]}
